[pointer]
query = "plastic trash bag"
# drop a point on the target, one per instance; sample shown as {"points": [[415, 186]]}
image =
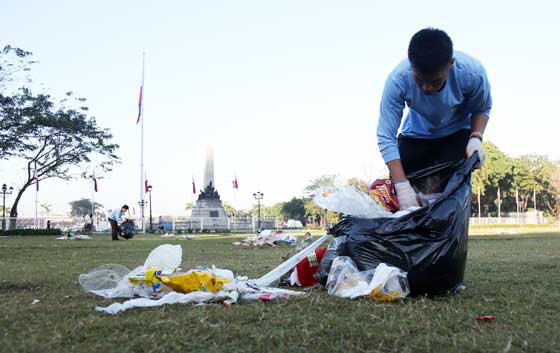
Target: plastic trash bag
{"points": [[343, 278], [194, 280], [388, 284], [103, 277], [384, 283], [349, 201], [429, 244], [324, 268], [165, 256]]}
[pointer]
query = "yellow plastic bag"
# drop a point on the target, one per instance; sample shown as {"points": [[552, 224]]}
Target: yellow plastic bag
{"points": [[148, 278], [194, 281]]}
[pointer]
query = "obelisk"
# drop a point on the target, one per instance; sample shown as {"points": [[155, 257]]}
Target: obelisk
{"points": [[208, 213], [209, 168]]}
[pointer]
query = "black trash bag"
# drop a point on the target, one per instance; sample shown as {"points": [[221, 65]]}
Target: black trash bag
{"points": [[127, 229], [429, 243]]}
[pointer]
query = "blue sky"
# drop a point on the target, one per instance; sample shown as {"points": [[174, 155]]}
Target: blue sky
{"points": [[285, 91]]}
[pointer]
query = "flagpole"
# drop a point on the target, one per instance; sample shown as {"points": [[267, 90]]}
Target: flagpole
{"points": [[478, 201], [142, 149]]}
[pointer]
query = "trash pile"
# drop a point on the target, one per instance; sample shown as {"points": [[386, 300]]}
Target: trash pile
{"points": [[181, 236], [268, 237], [160, 281], [72, 236], [373, 254]]}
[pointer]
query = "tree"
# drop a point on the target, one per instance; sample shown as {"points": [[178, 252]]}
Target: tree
{"points": [[294, 209], [230, 210], [53, 138], [325, 180], [46, 207], [189, 206], [14, 65], [358, 184], [82, 207], [58, 139], [325, 216]]}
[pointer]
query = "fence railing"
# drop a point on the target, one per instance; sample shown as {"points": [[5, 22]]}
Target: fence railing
{"points": [[166, 224]]}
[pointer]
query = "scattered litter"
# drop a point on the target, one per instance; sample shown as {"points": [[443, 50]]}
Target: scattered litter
{"points": [[35, 301], [182, 236], [268, 237], [486, 318], [160, 281], [72, 236]]}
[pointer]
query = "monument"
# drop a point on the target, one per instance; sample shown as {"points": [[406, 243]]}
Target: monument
{"points": [[208, 213]]}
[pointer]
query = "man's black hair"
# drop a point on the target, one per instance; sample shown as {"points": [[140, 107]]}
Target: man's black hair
{"points": [[125, 206], [430, 50]]}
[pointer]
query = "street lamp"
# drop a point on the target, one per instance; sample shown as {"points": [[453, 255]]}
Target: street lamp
{"points": [[150, 202], [4, 193], [258, 196]]}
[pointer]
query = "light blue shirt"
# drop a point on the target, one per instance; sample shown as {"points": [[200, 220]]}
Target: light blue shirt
{"points": [[466, 92], [116, 214]]}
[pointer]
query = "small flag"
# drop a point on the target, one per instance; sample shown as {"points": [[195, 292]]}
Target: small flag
{"points": [[193, 187], [95, 183], [235, 185], [145, 183], [139, 106]]}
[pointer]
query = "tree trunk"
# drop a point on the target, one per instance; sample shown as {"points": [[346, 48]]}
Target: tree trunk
{"points": [[14, 211]]}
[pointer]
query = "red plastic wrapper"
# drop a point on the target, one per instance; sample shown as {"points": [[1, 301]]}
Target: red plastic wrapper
{"points": [[486, 318], [383, 192]]}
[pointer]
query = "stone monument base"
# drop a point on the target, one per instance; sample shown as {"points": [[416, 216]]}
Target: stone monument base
{"points": [[209, 215]]}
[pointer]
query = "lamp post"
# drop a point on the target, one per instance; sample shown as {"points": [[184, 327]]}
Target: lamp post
{"points": [[142, 204], [4, 193], [258, 196], [150, 202]]}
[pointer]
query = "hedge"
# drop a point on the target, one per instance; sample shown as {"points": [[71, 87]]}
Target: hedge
{"points": [[22, 231]]}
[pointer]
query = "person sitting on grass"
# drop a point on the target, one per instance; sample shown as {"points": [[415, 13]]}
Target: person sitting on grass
{"points": [[113, 218]]}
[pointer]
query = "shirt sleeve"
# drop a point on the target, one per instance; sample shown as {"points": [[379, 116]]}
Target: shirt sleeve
{"points": [[390, 115], [481, 99]]}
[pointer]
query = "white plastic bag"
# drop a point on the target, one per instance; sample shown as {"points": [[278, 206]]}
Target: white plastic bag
{"points": [[343, 279], [165, 256], [349, 201], [388, 283], [384, 283], [103, 277]]}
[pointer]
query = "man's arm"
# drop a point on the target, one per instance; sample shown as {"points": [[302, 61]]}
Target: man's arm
{"points": [[478, 124], [390, 115], [396, 170]]}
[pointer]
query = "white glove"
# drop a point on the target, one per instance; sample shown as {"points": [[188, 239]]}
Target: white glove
{"points": [[406, 195], [476, 145]]}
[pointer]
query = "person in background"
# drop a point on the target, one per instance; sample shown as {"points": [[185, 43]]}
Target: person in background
{"points": [[448, 98], [113, 218]]}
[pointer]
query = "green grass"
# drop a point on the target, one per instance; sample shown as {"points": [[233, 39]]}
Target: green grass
{"points": [[514, 277]]}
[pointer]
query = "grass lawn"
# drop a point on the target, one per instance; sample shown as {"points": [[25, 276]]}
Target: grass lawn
{"points": [[514, 277]]}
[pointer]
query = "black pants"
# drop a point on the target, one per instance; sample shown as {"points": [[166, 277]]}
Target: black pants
{"points": [[115, 231], [417, 154]]}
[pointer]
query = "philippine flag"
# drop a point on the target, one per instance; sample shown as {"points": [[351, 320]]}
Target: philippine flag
{"points": [[139, 106]]}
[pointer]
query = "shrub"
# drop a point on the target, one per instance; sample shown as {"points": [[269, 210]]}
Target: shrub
{"points": [[23, 231]]}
